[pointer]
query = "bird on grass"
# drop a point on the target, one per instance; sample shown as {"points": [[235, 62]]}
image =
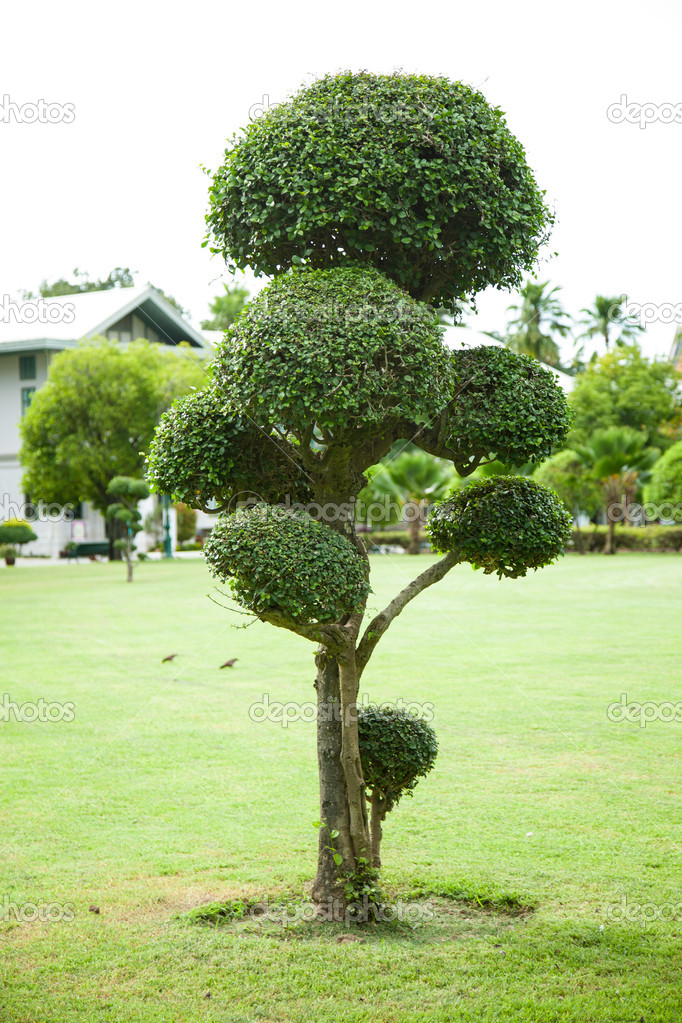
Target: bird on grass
{"points": [[230, 663], [169, 658]]}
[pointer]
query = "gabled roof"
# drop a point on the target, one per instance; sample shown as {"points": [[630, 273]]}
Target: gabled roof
{"points": [[89, 314]]}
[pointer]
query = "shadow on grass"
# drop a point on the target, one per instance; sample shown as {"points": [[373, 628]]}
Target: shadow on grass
{"points": [[415, 911]]}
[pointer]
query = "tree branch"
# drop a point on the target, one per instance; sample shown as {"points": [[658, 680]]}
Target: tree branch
{"points": [[378, 626], [333, 637]]}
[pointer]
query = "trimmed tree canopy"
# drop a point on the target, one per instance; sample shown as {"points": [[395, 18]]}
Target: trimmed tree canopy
{"points": [[504, 406], [343, 349], [16, 531], [397, 749], [415, 175], [324, 579], [505, 524], [205, 451]]}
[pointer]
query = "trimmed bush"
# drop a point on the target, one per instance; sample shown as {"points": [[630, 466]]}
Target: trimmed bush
{"points": [[342, 348], [414, 175], [397, 749], [325, 576], [504, 524], [16, 531]]}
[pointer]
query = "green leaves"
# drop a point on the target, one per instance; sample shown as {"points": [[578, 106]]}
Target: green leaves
{"points": [[510, 406], [283, 560], [504, 524], [395, 171], [396, 748], [344, 349], [205, 451]]}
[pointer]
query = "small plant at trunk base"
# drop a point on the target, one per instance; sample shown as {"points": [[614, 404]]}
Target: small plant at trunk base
{"points": [[367, 224], [363, 898], [128, 491], [397, 749]]}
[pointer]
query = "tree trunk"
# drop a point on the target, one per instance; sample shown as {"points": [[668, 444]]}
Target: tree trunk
{"points": [[610, 542], [327, 892], [413, 530], [377, 815], [343, 806]]}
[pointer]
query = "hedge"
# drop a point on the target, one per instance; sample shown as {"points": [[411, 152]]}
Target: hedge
{"points": [[628, 538]]}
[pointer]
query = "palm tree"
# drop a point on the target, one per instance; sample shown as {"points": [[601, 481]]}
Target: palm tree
{"points": [[539, 317], [413, 480], [603, 318], [618, 459]]}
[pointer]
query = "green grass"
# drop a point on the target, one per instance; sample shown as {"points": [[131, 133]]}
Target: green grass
{"points": [[162, 795]]}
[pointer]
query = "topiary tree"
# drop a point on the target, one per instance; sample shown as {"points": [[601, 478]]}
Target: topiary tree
{"points": [[14, 533], [417, 176], [335, 361], [397, 748], [665, 486], [129, 492]]}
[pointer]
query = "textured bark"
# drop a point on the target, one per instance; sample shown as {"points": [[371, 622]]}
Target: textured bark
{"points": [[350, 756], [326, 889], [377, 815]]}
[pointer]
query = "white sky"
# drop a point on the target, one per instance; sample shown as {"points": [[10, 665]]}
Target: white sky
{"points": [[157, 88]]}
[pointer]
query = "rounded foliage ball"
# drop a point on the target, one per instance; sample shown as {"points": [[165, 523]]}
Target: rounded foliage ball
{"points": [[283, 560], [343, 349], [509, 405], [16, 531], [205, 451], [396, 748], [415, 175], [504, 524]]}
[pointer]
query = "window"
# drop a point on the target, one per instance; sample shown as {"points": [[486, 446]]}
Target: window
{"points": [[26, 396], [27, 367]]}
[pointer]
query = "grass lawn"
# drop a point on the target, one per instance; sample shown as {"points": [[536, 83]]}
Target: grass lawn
{"points": [[542, 819]]}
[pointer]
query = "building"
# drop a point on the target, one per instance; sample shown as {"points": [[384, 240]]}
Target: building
{"points": [[31, 334], [676, 350]]}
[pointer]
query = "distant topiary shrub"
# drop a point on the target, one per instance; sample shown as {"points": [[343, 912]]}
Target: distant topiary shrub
{"points": [[16, 531]]}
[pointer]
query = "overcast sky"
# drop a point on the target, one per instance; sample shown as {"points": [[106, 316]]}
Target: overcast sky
{"points": [[156, 90]]}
